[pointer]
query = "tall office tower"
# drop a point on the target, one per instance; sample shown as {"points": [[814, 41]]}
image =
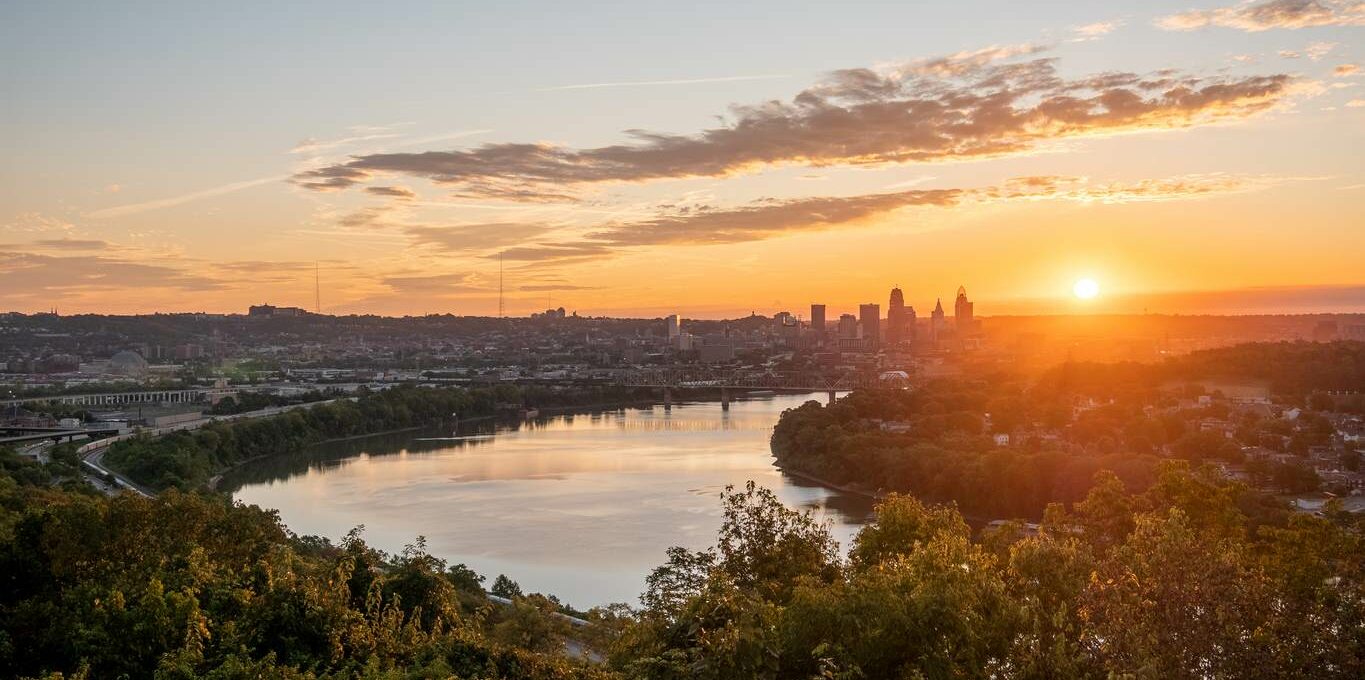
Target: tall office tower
{"points": [[870, 317], [963, 312], [895, 318], [937, 323], [848, 327], [910, 325], [817, 318], [674, 329]]}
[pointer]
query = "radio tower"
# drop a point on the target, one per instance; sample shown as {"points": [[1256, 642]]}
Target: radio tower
{"points": [[500, 307], [317, 287]]}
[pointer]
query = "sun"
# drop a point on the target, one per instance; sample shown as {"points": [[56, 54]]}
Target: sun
{"points": [[1086, 289]]}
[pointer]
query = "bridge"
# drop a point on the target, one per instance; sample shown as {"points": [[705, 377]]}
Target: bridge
{"points": [[123, 398], [21, 434], [729, 380]]}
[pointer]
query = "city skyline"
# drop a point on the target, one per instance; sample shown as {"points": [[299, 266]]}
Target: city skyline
{"points": [[1186, 156]]}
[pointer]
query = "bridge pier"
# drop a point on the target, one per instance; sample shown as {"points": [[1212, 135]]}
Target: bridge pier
{"points": [[668, 399], [832, 397], [724, 399]]}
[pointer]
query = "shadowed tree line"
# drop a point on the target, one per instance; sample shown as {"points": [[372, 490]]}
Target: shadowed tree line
{"points": [[187, 460]]}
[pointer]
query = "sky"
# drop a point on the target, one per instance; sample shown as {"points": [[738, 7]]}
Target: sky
{"points": [[705, 158]]}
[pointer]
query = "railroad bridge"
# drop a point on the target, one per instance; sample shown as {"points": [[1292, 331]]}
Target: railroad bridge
{"points": [[731, 380]]}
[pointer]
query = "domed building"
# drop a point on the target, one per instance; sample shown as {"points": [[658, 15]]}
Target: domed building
{"points": [[128, 363]]}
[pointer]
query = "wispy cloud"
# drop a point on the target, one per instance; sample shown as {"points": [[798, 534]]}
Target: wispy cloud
{"points": [[135, 208], [655, 83], [402, 193], [1094, 31], [1263, 15]]}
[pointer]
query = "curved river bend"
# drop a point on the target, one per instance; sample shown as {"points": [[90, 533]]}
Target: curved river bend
{"points": [[582, 507]]}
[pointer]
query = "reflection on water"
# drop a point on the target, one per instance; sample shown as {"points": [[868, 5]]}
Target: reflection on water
{"points": [[580, 506]]}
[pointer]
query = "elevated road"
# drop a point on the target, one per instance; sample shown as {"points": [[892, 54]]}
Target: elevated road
{"points": [[122, 398]]}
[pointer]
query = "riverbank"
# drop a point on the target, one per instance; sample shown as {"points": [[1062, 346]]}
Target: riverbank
{"points": [[212, 485], [846, 488]]}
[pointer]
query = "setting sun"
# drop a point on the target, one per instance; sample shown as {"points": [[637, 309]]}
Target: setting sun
{"points": [[1086, 289]]}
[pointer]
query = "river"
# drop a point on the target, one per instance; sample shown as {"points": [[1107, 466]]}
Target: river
{"points": [[579, 506]]}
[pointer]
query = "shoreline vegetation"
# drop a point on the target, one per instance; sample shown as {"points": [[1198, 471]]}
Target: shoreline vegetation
{"points": [[603, 407], [194, 459]]}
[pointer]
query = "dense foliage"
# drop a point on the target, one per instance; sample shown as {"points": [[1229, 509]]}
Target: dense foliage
{"points": [[946, 454], [939, 443], [189, 586], [1175, 582], [187, 460]]}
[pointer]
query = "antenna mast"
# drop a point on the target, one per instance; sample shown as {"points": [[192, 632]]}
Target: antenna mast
{"points": [[317, 287]]}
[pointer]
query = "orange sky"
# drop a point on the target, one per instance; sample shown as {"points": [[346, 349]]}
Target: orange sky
{"points": [[1189, 161]]}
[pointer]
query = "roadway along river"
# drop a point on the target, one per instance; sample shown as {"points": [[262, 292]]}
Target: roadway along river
{"points": [[582, 507]]}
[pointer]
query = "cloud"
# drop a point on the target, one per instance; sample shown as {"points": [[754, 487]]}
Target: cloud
{"points": [[393, 192], [553, 287], [72, 244], [37, 223], [1316, 51], [35, 274], [1094, 31], [433, 284], [556, 252], [705, 225], [1355, 103], [964, 106], [768, 218], [1082, 190], [474, 237], [134, 208], [1264, 15], [1345, 70], [312, 146], [652, 83]]}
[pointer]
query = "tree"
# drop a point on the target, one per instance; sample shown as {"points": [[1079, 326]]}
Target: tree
{"points": [[505, 587], [766, 547]]}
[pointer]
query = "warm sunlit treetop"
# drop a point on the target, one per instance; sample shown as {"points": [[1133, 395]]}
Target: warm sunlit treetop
{"points": [[660, 157]]}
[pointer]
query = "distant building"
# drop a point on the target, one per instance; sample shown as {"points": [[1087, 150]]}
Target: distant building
{"points": [[817, 318], [937, 321], [271, 311], [963, 312], [674, 329], [870, 318], [128, 363], [848, 327], [895, 318]]}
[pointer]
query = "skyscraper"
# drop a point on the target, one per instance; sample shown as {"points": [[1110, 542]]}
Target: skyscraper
{"points": [[870, 317], [895, 318], [937, 323], [674, 329], [963, 316], [817, 318], [848, 327]]}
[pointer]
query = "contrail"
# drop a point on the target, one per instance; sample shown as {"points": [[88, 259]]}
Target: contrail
{"points": [[134, 208], [646, 83]]}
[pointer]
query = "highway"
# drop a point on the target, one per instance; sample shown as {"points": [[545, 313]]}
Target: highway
{"points": [[92, 454]]}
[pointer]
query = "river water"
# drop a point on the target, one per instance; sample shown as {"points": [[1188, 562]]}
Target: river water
{"points": [[582, 506]]}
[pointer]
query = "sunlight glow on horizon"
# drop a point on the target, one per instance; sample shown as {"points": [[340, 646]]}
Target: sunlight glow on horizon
{"points": [[1086, 289]]}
